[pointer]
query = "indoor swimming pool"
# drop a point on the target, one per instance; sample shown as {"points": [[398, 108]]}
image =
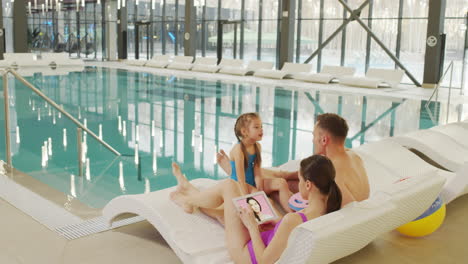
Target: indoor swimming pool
{"points": [[156, 119]]}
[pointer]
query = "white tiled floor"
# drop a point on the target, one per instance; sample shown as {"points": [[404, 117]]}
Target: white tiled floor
{"points": [[24, 241]]}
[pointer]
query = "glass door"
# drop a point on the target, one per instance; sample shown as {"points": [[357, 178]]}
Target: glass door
{"points": [[142, 40]]}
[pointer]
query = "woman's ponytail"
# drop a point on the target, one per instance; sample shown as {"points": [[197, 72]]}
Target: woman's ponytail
{"points": [[320, 171], [334, 198]]}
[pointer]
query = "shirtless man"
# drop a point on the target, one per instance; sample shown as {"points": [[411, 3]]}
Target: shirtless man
{"points": [[330, 133]]}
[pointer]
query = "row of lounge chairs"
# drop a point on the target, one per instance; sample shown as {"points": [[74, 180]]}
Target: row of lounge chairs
{"points": [[196, 238], [20, 60], [374, 78]]}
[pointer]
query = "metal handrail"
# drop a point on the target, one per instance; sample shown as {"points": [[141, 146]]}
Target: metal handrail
{"points": [[436, 92], [48, 100]]}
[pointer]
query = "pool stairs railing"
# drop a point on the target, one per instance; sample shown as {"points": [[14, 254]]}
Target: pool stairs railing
{"points": [[79, 125]]}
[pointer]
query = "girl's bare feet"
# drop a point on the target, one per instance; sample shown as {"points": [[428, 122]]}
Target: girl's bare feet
{"points": [[181, 196]]}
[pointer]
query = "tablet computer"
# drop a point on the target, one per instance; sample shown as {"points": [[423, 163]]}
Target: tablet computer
{"points": [[260, 205]]}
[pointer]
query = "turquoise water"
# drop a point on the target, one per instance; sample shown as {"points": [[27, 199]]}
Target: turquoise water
{"points": [[192, 120]]}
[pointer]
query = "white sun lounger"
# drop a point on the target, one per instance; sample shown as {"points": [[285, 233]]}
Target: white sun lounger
{"points": [[62, 60], [26, 60], [6, 62], [216, 68], [181, 63], [327, 75], [288, 70], [375, 78], [136, 62], [159, 61], [249, 70], [438, 147], [336, 235], [457, 131], [200, 64], [386, 162], [196, 238]]}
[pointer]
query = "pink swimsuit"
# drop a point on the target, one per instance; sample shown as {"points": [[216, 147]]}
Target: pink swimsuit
{"points": [[267, 236]]}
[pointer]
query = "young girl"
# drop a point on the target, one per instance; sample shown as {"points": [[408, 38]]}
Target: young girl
{"points": [[246, 160]]}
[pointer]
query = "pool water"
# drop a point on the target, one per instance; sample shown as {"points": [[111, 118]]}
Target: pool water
{"points": [[167, 119]]}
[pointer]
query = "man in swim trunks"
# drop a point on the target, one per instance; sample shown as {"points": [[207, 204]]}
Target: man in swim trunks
{"points": [[329, 134]]}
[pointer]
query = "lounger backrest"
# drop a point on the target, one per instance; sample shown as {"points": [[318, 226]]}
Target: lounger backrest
{"points": [[338, 71], [183, 59], [456, 131], [392, 77], [206, 61], [378, 174], [256, 65], [338, 234], [57, 58], [231, 63], [296, 67], [396, 158], [161, 58], [439, 147], [335, 235]]}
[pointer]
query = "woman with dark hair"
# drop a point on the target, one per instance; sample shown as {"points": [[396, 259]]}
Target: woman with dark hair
{"points": [[244, 240]]}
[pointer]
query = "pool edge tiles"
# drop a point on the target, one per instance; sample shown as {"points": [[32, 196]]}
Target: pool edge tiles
{"points": [[49, 213]]}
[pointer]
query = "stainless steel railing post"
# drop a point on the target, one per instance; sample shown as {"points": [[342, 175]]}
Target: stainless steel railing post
{"points": [[79, 144], [59, 108], [450, 93], [436, 92], [7, 118]]}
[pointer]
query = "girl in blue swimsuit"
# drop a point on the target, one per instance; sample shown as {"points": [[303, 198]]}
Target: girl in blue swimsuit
{"points": [[246, 161], [245, 156]]}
